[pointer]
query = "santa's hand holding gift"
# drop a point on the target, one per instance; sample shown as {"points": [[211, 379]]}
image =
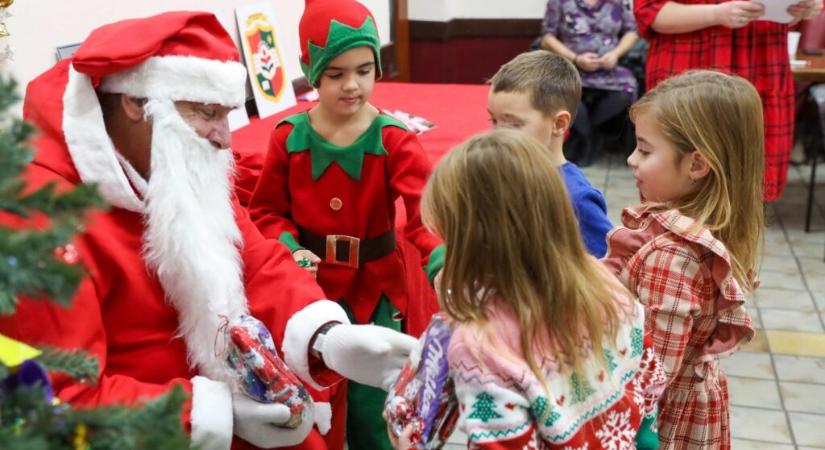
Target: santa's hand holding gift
{"points": [[145, 119]]}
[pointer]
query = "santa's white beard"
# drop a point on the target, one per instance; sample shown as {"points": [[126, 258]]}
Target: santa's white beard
{"points": [[191, 238]]}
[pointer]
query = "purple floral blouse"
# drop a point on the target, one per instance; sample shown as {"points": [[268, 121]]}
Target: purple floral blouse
{"points": [[593, 28]]}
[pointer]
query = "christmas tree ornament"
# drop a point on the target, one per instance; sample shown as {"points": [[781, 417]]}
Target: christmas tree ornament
{"points": [[29, 374], [13, 353], [424, 398], [67, 253], [79, 441], [4, 14]]}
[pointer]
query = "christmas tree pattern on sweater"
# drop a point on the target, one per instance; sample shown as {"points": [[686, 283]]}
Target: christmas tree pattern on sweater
{"points": [[602, 406]]}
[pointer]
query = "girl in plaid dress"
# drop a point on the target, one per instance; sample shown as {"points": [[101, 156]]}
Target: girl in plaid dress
{"points": [[688, 252]]}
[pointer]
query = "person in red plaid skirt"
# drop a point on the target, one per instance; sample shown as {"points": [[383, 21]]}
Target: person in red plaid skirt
{"points": [[688, 252], [727, 36]]}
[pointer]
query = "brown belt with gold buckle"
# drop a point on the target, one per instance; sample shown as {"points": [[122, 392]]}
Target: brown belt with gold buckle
{"points": [[348, 251]]}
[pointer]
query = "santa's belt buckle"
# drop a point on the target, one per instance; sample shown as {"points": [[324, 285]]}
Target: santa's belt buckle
{"points": [[342, 250]]}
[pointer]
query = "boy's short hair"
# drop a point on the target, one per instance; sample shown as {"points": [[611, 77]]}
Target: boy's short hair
{"points": [[552, 82]]}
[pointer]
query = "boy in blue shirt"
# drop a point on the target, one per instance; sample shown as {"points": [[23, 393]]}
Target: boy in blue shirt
{"points": [[538, 92]]}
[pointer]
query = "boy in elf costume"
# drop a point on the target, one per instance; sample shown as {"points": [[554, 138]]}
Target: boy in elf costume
{"points": [[328, 189]]}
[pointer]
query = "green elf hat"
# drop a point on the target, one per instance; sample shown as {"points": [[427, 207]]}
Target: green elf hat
{"points": [[331, 27]]}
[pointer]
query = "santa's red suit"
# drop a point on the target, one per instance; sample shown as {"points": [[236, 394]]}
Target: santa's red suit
{"points": [[145, 338]]}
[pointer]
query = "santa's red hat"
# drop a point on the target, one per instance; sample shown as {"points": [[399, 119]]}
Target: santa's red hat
{"points": [[331, 27], [176, 56], [173, 56]]}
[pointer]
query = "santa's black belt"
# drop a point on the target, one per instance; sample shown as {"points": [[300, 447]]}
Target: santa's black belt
{"points": [[349, 251]]}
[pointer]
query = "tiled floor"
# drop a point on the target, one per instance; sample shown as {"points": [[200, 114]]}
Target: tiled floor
{"points": [[777, 383]]}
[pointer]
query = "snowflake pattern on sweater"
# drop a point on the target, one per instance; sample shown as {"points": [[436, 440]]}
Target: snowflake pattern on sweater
{"points": [[503, 405]]}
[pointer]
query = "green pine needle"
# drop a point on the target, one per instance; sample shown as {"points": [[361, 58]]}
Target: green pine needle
{"points": [[77, 364]]}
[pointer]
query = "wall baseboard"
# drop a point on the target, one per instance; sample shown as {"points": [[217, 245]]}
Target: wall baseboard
{"points": [[466, 50], [458, 28]]}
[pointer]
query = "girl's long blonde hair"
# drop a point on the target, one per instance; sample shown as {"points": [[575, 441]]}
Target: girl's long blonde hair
{"points": [[720, 116], [502, 209]]}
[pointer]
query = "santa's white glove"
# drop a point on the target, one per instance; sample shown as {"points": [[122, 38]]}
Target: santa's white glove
{"points": [[258, 423], [367, 354]]}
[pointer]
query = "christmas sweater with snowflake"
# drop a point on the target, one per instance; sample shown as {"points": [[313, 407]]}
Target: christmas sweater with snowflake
{"points": [[605, 405]]}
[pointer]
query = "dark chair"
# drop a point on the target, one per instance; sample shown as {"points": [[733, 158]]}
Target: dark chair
{"points": [[817, 93]]}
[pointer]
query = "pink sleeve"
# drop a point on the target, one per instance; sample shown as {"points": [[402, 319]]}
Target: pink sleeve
{"points": [[495, 411]]}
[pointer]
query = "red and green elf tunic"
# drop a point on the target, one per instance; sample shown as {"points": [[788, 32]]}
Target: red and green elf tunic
{"points": [[307, 182], [310, 184]]}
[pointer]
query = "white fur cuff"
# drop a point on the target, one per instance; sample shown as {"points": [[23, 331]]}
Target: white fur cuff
{"points": [[211, 416], [299, 331], [323, 417]]}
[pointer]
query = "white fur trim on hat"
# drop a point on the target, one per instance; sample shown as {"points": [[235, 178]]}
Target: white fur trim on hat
{"points": [[182, 78], [299, 331], [211, 416], [90, 147]]}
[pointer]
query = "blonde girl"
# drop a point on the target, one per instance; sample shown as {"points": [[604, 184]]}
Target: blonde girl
{"points": [[689, 251], [547, 348]]}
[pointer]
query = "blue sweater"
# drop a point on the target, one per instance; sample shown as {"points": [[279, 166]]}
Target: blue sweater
{"points": [[590, 208]]}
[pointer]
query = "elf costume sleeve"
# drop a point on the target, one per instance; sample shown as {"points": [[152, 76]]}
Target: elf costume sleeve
{"points": [[409, 169]]}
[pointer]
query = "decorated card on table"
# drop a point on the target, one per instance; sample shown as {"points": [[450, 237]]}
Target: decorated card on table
{"points": [[264, 55], [423, 397]]}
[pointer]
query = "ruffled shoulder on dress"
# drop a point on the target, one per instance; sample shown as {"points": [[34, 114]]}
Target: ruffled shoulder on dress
{"points": [[734, 327]]}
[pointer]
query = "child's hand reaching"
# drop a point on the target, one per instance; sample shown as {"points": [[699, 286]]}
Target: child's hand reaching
{"points": [[402, 442], [307, 260]]}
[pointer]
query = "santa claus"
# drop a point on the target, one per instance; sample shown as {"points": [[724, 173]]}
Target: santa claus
{"points": [[141, 111]]}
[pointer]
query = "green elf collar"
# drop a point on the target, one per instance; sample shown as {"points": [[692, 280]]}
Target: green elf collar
{"points": [[350, 158]]}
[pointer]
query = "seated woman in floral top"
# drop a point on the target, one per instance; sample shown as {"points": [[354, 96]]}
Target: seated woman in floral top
{"points": [[593, 34]]}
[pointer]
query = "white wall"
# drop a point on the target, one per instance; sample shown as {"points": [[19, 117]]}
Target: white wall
{"points": [[446, 10], [37, 27]]}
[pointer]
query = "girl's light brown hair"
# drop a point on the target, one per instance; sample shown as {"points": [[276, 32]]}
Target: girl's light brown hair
{"points": [[501, 207], [720, 116]]}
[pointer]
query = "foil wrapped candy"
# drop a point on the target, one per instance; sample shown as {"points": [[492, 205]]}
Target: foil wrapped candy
{"points": [[423, 397]]}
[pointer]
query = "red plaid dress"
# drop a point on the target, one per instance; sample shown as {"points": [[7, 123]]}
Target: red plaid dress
{"points": [[694, 310], [757, 52]]}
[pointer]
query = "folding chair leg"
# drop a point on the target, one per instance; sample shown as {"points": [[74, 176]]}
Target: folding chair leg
{"points": [[811, 187]]}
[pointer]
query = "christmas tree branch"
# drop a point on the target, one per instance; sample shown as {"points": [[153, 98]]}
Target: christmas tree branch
{"points": [[76, 364]]}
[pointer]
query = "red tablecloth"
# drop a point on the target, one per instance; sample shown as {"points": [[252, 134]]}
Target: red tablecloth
{"points": [[458, 111]]}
